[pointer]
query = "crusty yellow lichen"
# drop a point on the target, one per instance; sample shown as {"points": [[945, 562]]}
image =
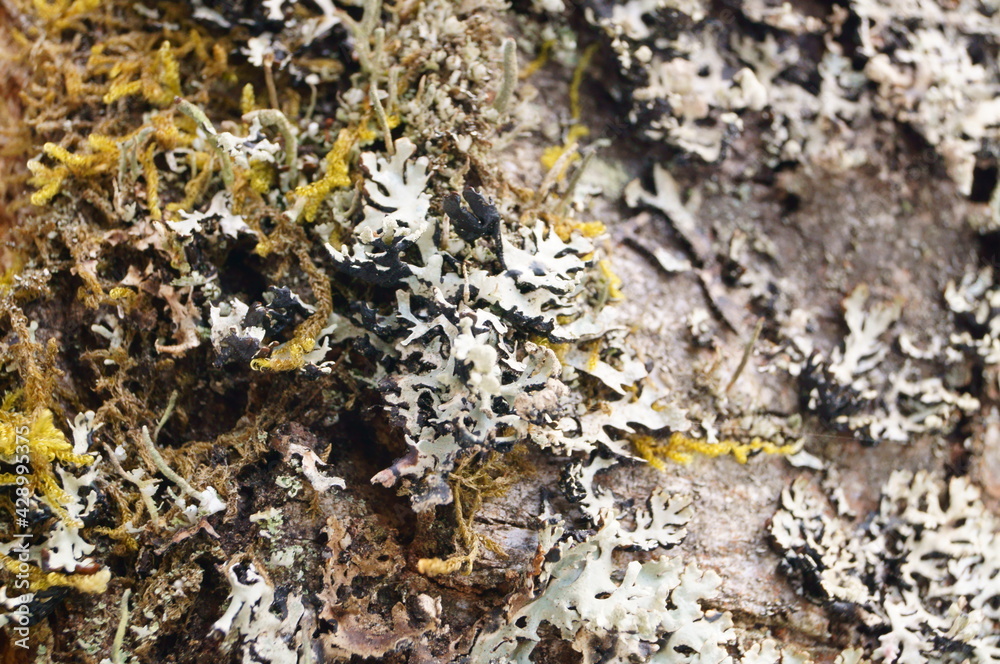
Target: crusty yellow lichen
{"points": [[560, 349], [337, 167], [45, 444], [291, 356], [540, 60], [552, 154], [612, 280], [367, 135], [594, 358], [681, 448], [92, 584], [565, 227], [262, 176]]}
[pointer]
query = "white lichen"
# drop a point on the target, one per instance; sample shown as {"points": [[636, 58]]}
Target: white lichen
{"points": [[923, 571], [653, 612], [264, 636]]}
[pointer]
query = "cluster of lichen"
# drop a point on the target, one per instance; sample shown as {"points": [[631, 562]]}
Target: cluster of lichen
{"points": [[33, 447], [85, 143], [163, 190]]}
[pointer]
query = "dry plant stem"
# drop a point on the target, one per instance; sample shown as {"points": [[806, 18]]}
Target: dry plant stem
{"points": [[313, 93], [147, 500], [574, 181], [470, 484], [272, 92], [552, 177], [746, 353], [383, 121], [117, 656], [167, 412], [162, 466]]}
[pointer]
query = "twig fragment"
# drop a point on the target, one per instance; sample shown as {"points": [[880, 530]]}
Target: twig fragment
{"points": [[746, 353]]}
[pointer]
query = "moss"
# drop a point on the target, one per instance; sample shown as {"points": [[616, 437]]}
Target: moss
{"points": [[473, 481]]}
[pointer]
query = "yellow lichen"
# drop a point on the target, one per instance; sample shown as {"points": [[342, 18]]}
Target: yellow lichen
{"points": [[538, 62], [336, 175], [166, 133], [291, 356], [561, 350], [577, 131], [367, 135], [612, 280], [86, 165], [194, 189], [28, 435], [48, 180], [262, 176], [120, 533], [105, 158], [170, 74], [681, 448], [15, 262], [595, 355], [552, 154], [590, 229], [59, 12], [565, 227], [91, 584], [122, 296], [44, 444], [159, 80], [248, 101]]}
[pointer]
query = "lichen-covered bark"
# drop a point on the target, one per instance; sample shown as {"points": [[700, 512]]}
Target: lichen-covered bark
{"points": [[450, 331]]}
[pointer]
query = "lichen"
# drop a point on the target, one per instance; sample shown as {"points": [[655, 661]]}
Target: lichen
{"points": [[938, 603], [653, 609], [258, 257]]}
